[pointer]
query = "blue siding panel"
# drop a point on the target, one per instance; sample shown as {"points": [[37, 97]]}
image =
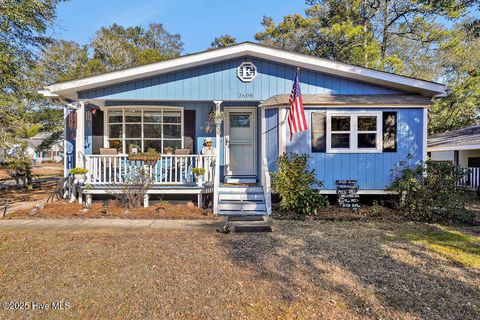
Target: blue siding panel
{"points": [[271, 131], [196, 88], [219, 82], [372, 170]]}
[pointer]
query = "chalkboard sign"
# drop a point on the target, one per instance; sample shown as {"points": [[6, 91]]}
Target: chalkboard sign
{"points": [[347, 194]]}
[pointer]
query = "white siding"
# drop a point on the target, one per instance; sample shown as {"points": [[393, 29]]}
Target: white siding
{"points": [[465, 154], [442, 155]]}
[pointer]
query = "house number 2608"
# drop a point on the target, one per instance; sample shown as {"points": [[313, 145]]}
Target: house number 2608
{"points": [[245, 96]]}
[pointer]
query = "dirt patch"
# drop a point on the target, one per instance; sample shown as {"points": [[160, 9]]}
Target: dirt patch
{"points": [[65, 210]]}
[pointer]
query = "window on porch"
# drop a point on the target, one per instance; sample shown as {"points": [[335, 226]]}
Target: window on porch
{"points": [[148, 128]]}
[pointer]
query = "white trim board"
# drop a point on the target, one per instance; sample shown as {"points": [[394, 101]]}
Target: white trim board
{"points": [[362, 106], [454, 148], [69, 89]]}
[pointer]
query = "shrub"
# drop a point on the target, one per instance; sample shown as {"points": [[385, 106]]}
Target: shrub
{"points": [[297, 185], [133, 189], [19, 166], [428, 191]]}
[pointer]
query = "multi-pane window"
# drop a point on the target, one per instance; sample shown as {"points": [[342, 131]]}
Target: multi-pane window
{"points": [[354, 132], [157, 128], [340, 129]]}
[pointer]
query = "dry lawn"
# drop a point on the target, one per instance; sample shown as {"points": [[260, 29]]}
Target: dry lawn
{"points": [[304, 270], [43, 170]]}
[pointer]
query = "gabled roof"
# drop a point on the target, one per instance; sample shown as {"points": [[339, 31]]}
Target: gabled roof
{"points": [[462, 139], [70, 88]]}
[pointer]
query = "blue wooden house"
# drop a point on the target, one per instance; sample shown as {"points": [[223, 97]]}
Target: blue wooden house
{"points": [[361, 123]]}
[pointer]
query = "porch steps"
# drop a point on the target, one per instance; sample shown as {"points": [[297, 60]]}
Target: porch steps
{"points": [[241, 179], [241, 200]]}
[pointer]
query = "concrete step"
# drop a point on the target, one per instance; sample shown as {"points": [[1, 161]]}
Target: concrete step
{"points": [[241, 205], [237, 213], [240, 189], [239, 180], [252, 229], [241, 196], [244, 217]]}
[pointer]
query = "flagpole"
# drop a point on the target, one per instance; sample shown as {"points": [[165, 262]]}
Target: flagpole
{"points": [[288, 109]]}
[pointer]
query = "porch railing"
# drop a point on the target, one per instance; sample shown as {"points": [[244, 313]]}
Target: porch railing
{"points": [[471, 179], [169, 170]]}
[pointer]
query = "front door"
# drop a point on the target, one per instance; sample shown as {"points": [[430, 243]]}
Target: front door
{"points": [[240, 141]]}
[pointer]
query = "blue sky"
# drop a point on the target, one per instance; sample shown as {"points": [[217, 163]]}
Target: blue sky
{"points": [[197, 21]]}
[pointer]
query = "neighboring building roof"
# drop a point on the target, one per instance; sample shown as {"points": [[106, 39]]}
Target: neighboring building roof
{"points": [[35, 141], [462, 139], [351, 100], [69, 89]]}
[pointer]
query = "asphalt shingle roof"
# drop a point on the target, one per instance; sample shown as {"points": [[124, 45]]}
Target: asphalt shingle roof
{"points": [[462, 137]]}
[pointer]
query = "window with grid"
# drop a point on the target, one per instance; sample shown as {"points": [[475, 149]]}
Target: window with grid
{"points": [[147, 128], [354, 132]]}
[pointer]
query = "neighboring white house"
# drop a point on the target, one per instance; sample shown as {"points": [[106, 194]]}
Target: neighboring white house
{"points": [[461, 147], [53, 153]]}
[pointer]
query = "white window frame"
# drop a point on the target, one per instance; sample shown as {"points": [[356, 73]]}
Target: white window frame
{"points": [[142, 108], [354, 131]]}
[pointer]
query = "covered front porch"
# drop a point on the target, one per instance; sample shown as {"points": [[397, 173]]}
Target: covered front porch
{"points": [[106, 138]]}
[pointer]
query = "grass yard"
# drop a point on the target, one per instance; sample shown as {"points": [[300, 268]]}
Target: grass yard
{"points": [[43, 170], [313, 270]]}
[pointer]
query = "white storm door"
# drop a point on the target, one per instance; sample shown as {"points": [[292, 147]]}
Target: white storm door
{"points": [[240, 141]]}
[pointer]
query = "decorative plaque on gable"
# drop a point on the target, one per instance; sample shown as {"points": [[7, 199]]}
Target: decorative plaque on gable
{"points": [[247, 71]]}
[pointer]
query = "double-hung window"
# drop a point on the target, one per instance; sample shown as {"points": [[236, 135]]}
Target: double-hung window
{"points": [[148, 128], [354, 132]]}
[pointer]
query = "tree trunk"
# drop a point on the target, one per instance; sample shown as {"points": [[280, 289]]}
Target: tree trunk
{"points": [[365, 30], [386, 12]]}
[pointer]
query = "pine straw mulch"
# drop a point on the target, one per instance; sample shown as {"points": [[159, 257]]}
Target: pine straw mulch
{"points": [[66, 210], [303, 270], [335, 213]]}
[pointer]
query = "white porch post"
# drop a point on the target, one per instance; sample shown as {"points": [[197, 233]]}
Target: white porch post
{"points": [[216, 181], [263, 140], [65, 115], [282, 130], [80, 138]]}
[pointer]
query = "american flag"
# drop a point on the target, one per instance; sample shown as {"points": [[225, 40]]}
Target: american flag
{"points": [[296, 118]]}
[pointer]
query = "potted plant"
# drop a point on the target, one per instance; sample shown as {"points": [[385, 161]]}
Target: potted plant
{"points": [[198, 172], [215, 119], [79, 174], [169, 150], [134, 148], [150, 155], [218, 117]]}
